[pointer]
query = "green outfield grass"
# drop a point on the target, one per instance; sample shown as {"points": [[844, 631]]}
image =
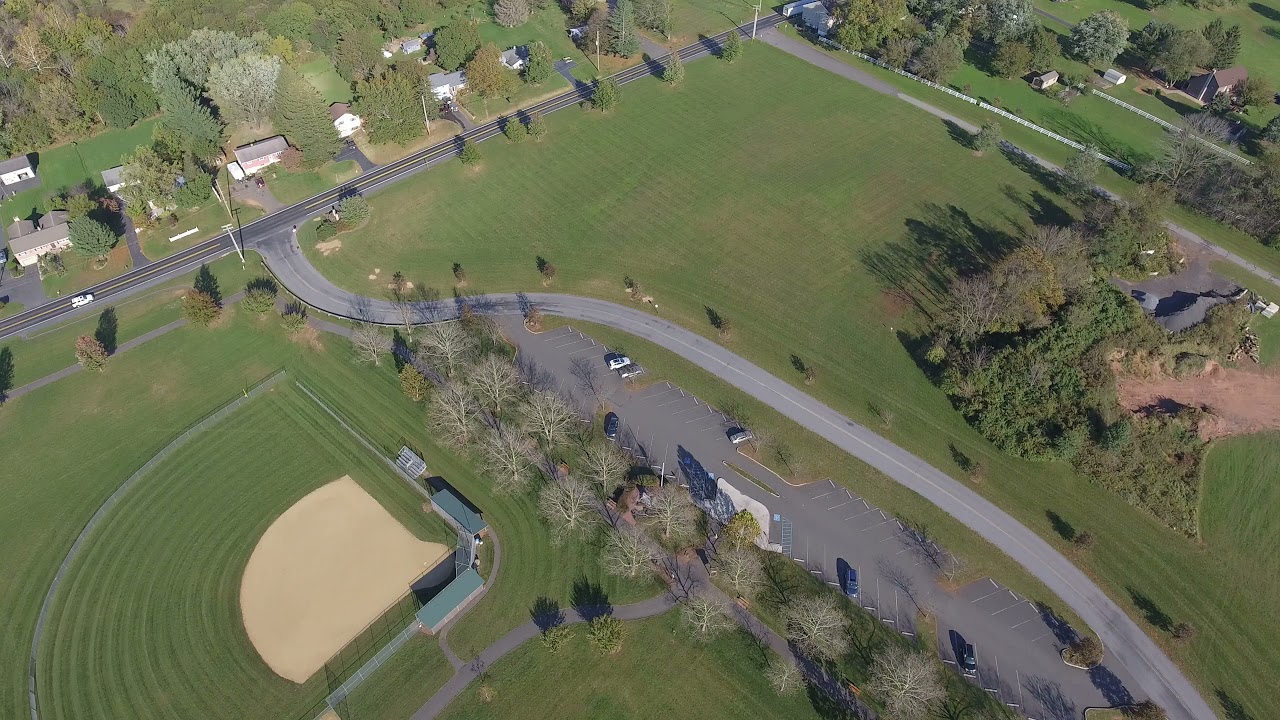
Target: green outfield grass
{"points": [[193, 521], [401, 686], [660, 673], [789, 212]]}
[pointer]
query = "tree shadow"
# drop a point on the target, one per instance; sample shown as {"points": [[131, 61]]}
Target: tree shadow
{"points": [[1269, 13], [962, 461], [1112, 689], [1231, 707], [1151, 611], [1042, 209], [589, 599], [1062, 631], [207, 283], [1046, 178], [6, 372], [546, 613], [963, 137], [798, 364], [778, 587], [1064, 529], [107, 330], [1049, 693]]}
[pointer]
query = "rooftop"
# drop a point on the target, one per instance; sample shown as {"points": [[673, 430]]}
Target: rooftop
{"points": [[31, 241], [22, 162], [111, 176], [337, 110], [462, 512], [457, 77], [453, 595], [511, 56], [261, 149]]}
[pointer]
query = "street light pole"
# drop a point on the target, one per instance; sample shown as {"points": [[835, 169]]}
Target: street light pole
{"points": [[755, 20], [228, 228]]}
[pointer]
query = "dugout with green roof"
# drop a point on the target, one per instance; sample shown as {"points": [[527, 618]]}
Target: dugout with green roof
{"points": [[463, 514], [440, 608]]}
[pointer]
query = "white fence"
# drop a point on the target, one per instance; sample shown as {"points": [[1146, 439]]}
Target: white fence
{"points": [[181, 235], [1174, 128], [974, 101]]}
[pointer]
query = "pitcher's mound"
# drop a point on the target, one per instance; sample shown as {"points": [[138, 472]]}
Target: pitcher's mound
{"points": [[324, 570]]}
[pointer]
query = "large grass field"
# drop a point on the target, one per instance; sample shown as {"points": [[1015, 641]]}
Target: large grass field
{"points": [[660, 673], [180, 647], [401, 686], [1241, 502], [789, 211]]}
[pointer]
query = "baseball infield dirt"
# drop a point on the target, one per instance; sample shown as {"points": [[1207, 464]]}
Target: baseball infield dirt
{"points": [[323, 571]]}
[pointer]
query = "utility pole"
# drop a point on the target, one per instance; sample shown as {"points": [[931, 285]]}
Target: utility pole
{"points": [[755, 20], [425, 119], [597, 51], [229, 228]]}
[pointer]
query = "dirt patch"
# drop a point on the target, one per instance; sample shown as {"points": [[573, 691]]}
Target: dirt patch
{"points": [[308, 337], [324, 569], [328, 247], [1238, 401], [894, 303]]}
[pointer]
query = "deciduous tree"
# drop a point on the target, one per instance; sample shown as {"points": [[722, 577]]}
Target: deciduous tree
{"points": [[1256, 92], [742, 569], [817, 626], [1099, 38], [868, 23], [607, 94], [784, 675], [358, 52], [627, 553], [487, 76], [655, 15], [200, 308], [936, 61], [90, 353], [390, 106], [549, 418], [244, 88], [494, 382], [540, 66], [604, 466], [1080, 173], [1012, 59], [568, 507], [452, 414], [672, 511], [447, 346], [370, 342], [511, 13], [537, 126], [705, 615], [456, 43], [908, 683], [507, 457]]}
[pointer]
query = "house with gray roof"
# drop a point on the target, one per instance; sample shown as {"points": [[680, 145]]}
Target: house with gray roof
{"points": [[253, 157], [29, 240], [15, 170], [446, 86], [111, 178], [516, 57], [1212, 84]]}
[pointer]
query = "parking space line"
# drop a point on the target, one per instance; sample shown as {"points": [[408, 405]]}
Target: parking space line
{"points": [[833, 507], [984, 597], [587, 349], [858, 515], [1005, 608], [1024, 622], [692, 407], [870, 527], [1041, 637], [815, 497]]}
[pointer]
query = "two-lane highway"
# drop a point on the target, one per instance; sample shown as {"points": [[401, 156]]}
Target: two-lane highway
{"points": [[266, 227]]}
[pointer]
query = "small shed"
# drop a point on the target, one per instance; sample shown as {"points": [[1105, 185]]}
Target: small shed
{"points": [[1046, 80], [1114, 76], [412, 45], [444, 606]]}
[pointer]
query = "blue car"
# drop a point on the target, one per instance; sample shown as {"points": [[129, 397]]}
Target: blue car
{"points": [[611, 426], [851, 583]]}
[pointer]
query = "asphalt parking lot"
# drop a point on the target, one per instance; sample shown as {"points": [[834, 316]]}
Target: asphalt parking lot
{"points": [[832, 531]]}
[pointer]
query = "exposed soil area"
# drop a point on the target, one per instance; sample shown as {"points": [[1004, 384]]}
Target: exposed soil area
{"points": [[1237, 401]]}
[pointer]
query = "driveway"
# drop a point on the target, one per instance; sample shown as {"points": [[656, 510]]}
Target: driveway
{"points": [[351, 151], [131, 239], [25, 290], [247, 191], [832, 532]]}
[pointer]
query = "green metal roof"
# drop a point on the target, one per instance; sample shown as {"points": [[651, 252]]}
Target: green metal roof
{"points": [[453, 594], [460, 511]]}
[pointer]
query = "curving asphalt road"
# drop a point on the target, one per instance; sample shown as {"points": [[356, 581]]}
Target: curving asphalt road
{"points": [[1125, 641]]}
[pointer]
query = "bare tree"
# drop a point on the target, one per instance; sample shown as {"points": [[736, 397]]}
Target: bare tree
{"points": [[370, 342], [447, 345], [494, 381], [817, 626], [705, 615], [452, 414], [908, 683], [603, 465], [976, 306], [507, 456], [672, 511], [548, 417], [742, 569], [1188, 150], [784, 675], [627, 553], [569, 507], [399, 292]]}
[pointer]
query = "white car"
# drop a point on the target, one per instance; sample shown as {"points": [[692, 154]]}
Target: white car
{"points": [[81, 300], [617, 361], [629, 371]]}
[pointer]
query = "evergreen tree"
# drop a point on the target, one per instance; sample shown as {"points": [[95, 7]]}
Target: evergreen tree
{"points": [[537, 127], [731, 48], [91, 238], [987, 138], [470, 152], [624, 40], [1225, 42], [607, 94], [302, 117], [186, 118], [673, 72], [540, 64]]}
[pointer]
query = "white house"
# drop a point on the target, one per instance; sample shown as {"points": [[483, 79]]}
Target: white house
{"points": [[255, 156], [30, 240], [815, 15], [15, 170], [111, 179], [516, 57], [446, 86], [344, 121], [576, 33]]}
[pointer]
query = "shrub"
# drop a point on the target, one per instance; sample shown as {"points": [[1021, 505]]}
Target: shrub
{"points": [[294, 317], [606, 633], [470, 152], [353, 210], [260, 295], [326, 230], [1085, 651]]}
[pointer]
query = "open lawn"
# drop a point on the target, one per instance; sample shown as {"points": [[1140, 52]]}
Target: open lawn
{"points": [[401, 686], [64, 167], [82, 271], [790, 212], [322, 75], [660, 673], [194, 520], [291, 187], [48, 350], [1240, 506], [207, 219]]}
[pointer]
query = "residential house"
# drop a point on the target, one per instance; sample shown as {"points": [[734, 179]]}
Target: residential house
{"points": [[815, 15], [516, 57], [344, 121], [15, 170], [1214, 83], [576, 33], [427, 38], [446, 86], [29, 240], [411, 45], [253, 157], [111, 178], [1046, 80]]}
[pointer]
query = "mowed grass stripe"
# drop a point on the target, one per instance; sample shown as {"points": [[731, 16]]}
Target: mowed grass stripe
{"points": [[787, 198], [157, 594]]}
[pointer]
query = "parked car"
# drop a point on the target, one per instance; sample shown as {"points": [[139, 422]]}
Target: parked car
{"points": [[260, 182], [617, 360], [81, 300], [4, 255], [737, 436], [630, 371], [968, 659], [611, 426], [851, 583]]}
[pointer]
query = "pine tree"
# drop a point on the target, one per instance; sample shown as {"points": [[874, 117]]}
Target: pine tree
{"points": [[301, 116], [511, 13], [622, 27], [732, 47], [607, 94], [470, 152], [673, 73]]}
